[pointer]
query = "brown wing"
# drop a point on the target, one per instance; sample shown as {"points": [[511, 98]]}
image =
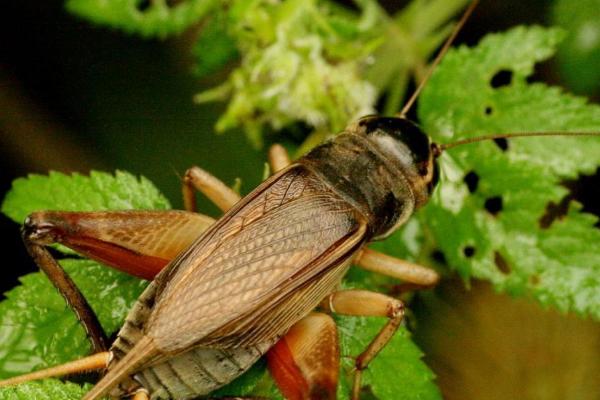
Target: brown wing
{"points": [[276, 316], [277, 239]]}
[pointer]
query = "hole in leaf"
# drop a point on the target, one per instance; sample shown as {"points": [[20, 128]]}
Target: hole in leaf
{"points": [[585, 190], [143, 5], [502, 143], [501, 78], [555, 211], [501, 263], [469, 251], [471, 179], [542, 71], [438, 256], [493, 205], [488, 110]]}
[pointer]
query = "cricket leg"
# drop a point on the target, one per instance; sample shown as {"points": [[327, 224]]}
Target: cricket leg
{"points": [[305, 362], [140, 243], [278, 158], [197, 179], [92, 363], [375, 261], [70, 292], [370, 304]]}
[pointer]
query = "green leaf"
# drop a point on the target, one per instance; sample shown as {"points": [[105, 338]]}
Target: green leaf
{"points": [[49, 389], [300, 61], [396, 372], [99, 191], [38, 330], [144, 17], [560, 264], [579, 55], [36, 326]]}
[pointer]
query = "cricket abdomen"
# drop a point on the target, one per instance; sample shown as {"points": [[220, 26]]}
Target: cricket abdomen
{"points": [[198, 371]]}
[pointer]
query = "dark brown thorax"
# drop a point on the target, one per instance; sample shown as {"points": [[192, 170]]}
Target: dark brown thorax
{"points": [[383, 166]]}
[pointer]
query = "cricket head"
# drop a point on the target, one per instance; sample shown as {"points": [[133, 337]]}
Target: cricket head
{"points": [[406, 149]]}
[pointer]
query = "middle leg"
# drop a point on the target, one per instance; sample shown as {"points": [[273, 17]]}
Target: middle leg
{"points": [[375, 261], [212, 187], [278, 158], [368, 304], [197, 179]]}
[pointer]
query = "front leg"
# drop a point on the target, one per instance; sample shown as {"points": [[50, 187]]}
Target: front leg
{"points": [[212, 187], [197, 179], [367, 304], [278, 158]]}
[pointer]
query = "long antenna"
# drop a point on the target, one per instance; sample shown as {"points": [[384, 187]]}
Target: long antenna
{"points": [[438, 148], [438, 58]]}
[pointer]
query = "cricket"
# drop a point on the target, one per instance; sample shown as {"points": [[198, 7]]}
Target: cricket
{"points": [[262, 280]]}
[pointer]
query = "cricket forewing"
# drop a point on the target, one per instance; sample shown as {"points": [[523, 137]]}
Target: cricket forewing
{"points": [[273, 242], [300, 224]]}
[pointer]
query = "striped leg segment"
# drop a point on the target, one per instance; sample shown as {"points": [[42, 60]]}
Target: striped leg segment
{"points": [[305, 362], [140, 243], [371, 304]]}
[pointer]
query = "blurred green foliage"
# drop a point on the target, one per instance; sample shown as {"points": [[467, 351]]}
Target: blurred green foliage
{"points": [[321, 64], [579, 55], [309, 61], [300, 62], [149, 18], [47, 389]]}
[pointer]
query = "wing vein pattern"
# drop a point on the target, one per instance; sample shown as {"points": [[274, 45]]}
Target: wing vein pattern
{"points": [[266, 250]]}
